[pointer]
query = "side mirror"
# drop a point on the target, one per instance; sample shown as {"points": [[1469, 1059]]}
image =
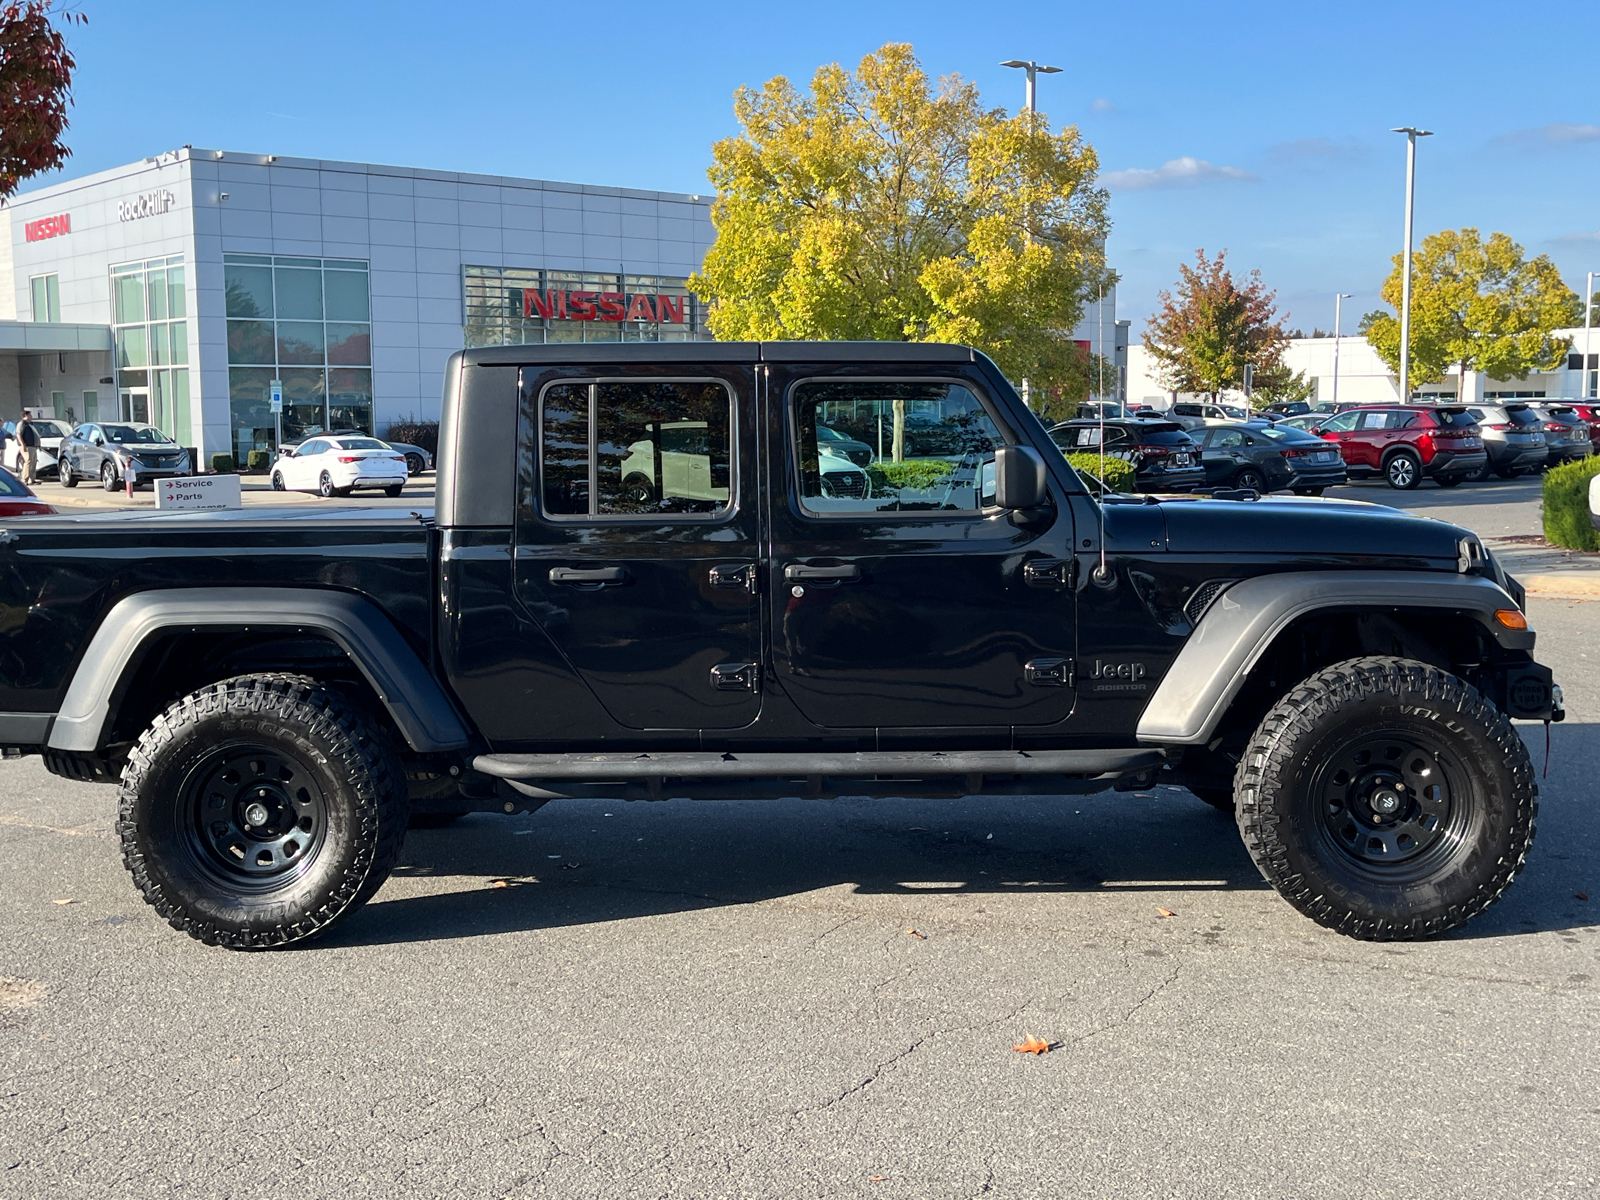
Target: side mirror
{"points": [[1019, 477]]}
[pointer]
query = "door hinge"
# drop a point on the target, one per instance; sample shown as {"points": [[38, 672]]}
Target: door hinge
{"points": [[1049, 672], [736, 677]]}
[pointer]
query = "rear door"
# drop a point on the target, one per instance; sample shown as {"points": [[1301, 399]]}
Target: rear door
{"points": [[1222, 454], [919, 603], [638, 537]]}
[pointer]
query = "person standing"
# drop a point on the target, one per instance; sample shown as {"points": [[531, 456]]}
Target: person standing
{"points": [[28, 438]]}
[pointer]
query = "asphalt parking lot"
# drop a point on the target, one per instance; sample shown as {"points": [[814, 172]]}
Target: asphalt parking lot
{"points": [[815, 998]]}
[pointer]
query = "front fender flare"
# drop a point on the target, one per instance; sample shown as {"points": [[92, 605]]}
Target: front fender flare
{"points": [[414, 699], [1239, 626]]}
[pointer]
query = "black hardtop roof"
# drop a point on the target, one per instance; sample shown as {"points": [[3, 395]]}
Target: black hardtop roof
{"points": [[736, 352]]}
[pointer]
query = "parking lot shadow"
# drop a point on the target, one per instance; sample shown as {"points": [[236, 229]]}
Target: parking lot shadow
{"points": [[581, 862]]}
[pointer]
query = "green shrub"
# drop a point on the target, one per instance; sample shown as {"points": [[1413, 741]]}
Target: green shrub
{"points": [[222, 464], [414, 433], [259, 460], [917, 473], [1566, 505], [1119, 472]]}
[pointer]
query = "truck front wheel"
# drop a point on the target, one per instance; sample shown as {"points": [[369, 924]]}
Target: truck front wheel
{"points": [[259, 811], [1387, 800]]}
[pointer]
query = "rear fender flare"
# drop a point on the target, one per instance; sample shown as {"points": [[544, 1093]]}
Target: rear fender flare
{"points": [[1245, 620], [414, 700]]}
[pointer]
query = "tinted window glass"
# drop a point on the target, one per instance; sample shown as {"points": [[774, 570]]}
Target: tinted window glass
{"points": [[938, 447], [1454, 418], [314, 447], [360, 444], [1228, 437], [134, 433], [1341, 423], [1374, 420], [1161, 435], [1074, 438], [651, 448], [1522, 416]]}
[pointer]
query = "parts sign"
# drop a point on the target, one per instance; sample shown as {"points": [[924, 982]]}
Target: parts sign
{"points": [[198, 493]]}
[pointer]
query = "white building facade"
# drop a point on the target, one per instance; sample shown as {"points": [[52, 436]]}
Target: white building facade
{"points": [[186, 289]]}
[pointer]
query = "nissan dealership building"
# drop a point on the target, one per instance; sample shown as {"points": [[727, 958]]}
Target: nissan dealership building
{"points": [[178, 289]]}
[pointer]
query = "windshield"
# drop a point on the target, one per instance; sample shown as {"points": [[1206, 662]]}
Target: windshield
{"points": [[360, 444], [143, 435], [51, 429]]}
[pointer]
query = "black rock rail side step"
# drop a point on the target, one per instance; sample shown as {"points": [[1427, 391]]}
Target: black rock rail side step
{"points": [[897, 764]]}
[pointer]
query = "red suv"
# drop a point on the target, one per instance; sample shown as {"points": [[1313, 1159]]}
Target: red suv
{"points": [[1406, 443], [1590, 413]]}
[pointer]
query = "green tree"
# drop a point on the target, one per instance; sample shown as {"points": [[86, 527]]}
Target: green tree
{"points": [[1480, 305], [879, 206], [1278, 382], [1203, 336], [35, 89]]}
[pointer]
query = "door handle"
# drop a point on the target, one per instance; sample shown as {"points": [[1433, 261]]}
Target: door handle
{"points": [[734, 577], [802, 571], [1049, 572], [581, 575]]}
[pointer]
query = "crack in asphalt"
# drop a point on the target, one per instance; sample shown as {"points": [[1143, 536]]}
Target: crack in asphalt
{"points": [[1123, 1020]]}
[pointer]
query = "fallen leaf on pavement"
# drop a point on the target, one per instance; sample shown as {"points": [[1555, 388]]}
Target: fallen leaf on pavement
{"points": [[1033, 1045], [1579, 895], [63, 901], [876, 1178], [921, 937], [1165, 912], [499, 883]]}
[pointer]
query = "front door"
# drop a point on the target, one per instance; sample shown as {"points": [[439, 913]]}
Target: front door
{"points": [[900, 594], [638, 538]]}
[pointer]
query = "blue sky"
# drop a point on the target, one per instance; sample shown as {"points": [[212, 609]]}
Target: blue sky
{"points": [[1260, 128]]}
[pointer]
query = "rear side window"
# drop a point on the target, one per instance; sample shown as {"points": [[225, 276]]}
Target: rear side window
{"points": [[934, 444], [1454, 418], [1522, 415], [651, 448], [1374, 420]]}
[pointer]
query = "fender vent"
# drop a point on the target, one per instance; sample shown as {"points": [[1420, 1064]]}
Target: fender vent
{"points": [[1195, 607]]}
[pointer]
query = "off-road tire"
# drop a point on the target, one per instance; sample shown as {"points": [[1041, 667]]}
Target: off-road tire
{"points": [[1284, 817], [339, 750]]}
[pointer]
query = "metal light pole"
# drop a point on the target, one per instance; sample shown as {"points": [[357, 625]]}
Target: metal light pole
{"points": [[1412, 134], [1033, 69], [1588, 314], [1338, 297]]}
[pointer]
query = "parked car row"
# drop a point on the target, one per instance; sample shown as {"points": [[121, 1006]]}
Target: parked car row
{"points": [[1306, 453]]}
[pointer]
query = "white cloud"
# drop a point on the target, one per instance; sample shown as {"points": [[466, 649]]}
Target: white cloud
{"points": [[1103, 105], [1316, 149], [1557, 133], [1177, 172]]}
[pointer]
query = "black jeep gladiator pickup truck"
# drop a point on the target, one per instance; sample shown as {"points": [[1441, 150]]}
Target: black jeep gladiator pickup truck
{"points": [[769, 569]]}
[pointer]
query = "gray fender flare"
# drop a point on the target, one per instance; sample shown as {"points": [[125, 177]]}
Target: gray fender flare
{"points": [[413, 697], [1241, 623]]}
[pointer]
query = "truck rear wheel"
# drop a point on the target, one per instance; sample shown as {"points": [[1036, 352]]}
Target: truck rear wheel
{"points": [[1387, 800], [260, 810]]}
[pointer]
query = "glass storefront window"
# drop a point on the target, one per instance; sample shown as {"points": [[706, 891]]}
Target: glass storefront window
{"points": [[347, 295], [180, 342], [250, 342], [146, 297], [156, 285], [304, 321], [160, 346], [250, 409], [129, 295], [46, 297], [177, 304], [349, 345], [300, 342], [133, 346], [298, 293]]}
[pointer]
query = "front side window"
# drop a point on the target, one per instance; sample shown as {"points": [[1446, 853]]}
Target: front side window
{"points": [[933, 444], [623, 448]]}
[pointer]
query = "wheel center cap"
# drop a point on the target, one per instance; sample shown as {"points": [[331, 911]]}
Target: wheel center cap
{"points": [[256, 814], [1386, 801]]}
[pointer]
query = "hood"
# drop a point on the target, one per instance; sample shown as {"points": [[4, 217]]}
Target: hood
{"points": [[1292, 526]]}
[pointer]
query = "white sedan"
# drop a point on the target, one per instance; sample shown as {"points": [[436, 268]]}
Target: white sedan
{"points": [[333, 466]]}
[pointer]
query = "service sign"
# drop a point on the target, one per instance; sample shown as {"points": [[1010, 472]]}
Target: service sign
{"points": [[198, 493]]}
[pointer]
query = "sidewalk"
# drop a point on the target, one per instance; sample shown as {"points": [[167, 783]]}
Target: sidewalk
{"points": [[1547, 570]]}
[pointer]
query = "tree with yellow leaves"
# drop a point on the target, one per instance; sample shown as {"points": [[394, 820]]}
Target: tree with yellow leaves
{"points": [[882, 207], [1480, 305]]}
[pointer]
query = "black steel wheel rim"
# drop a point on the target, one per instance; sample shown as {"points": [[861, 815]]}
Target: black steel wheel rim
{"points": [[251, 818], [1393, 803]]}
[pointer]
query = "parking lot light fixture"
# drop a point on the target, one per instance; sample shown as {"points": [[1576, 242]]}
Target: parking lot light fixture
{"points": [[1412, 134], [1034, 70]]}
